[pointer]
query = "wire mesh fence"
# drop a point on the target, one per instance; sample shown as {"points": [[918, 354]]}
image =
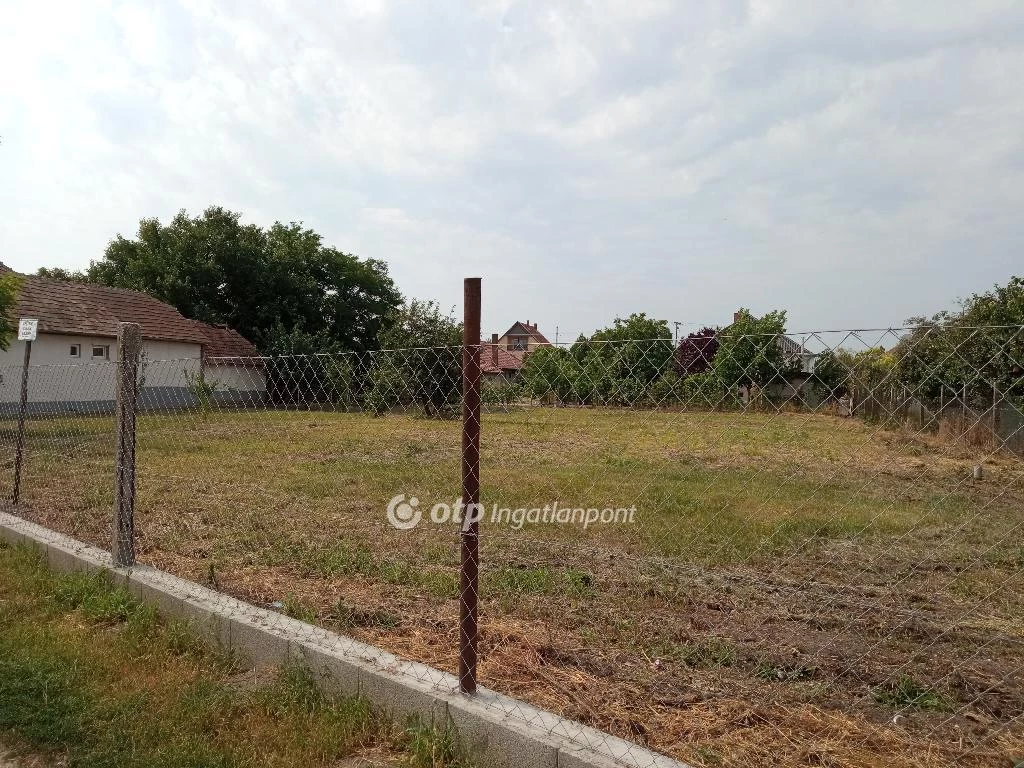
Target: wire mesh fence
{"points": [[736, 549]]}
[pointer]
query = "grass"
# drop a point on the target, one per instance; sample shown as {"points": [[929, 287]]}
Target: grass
{"points": [[802, 539], [907, 693], [658, 459], [92, 675], [710, 652]]}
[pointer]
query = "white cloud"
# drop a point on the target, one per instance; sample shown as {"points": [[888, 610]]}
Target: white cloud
{"points": [[586, 160]]}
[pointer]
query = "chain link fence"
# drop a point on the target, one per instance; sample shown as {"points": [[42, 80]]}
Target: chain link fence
{"points": [[736, 549]]}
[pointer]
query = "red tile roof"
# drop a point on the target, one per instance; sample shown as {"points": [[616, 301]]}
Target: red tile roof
{"points": [[85, 309], [222, 341], [506, 361]]}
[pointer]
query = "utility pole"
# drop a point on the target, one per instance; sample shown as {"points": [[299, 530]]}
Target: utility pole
{"points": [[677, 323]]}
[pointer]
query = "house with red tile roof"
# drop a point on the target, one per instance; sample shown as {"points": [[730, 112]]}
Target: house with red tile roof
{"points": [[505, 354], [77, 326]]}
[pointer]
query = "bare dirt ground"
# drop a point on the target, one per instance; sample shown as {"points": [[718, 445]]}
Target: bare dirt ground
{"points": [[799, 590]]}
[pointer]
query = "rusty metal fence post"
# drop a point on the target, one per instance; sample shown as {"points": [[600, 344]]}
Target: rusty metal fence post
{"points": [[129, 348], [470, 559]]}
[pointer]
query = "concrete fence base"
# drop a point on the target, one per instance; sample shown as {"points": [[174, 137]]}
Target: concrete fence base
{"points": [[498, 731]]}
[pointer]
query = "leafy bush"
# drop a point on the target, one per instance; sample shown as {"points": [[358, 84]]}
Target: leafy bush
{"points": [[500, 393]]}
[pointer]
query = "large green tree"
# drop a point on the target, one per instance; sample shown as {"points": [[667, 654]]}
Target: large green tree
{"points": [[280, 287], [978, 350], [637, 348], [749, 351]]}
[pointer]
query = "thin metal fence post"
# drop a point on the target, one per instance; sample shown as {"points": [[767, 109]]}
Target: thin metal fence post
{"points": [[995, 422], [19, 451], [469, 574], [129, 348]]}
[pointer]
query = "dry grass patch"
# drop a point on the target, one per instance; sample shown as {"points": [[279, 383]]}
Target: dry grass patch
{"points": [[823, 559]]}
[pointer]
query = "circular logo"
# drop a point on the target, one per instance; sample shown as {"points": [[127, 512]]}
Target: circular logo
{"points": [[403, 514]]}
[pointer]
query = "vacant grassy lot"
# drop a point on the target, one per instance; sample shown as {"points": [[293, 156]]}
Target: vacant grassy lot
{"points": [[90, 677], [796, 589]]}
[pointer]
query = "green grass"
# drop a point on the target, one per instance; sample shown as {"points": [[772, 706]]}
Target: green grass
{"points": [[709, 652], [89, 673], [523, 580], [907, 693]]}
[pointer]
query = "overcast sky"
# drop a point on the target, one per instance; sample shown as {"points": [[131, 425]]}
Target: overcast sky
{"points": [[853, 163]]}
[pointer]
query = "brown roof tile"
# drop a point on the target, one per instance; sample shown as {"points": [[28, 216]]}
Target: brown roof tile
{"points": [[506, 361], [84, 309], [222, 341]]}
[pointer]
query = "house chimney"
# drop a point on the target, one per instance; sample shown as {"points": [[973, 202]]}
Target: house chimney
{"points": [[736, 316], [494, 349]]}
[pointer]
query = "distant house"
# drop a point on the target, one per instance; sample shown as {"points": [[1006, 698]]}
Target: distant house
{"points": [[77, 335], [522, 337], [505, 355]]}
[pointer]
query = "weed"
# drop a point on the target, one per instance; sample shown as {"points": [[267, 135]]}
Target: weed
{"points": [[182, 640], [767, 670], [433, 747], [710, 652], [907, 693], [297, 609], [579, 583], [78, 688], [708, 756], [519, 581], [524, 580]]}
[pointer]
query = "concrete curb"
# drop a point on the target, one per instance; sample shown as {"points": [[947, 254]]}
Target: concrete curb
{"points": [[499, 731]]}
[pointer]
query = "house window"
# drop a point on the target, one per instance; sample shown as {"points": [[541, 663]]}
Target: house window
{"points": [[100, 352], [517, 343], [76, 350]]}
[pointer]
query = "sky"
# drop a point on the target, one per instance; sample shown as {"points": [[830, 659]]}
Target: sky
{"points": [[855, 164]]}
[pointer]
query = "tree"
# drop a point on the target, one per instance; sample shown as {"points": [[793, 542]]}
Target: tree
{"points": [[303, 368], [419, 324], [555, 371], [696, 352], [832, 373], [10, 284], [749, 352], [59, 273], [272, 285], [637, 348], [420, 360], [977, 351]]}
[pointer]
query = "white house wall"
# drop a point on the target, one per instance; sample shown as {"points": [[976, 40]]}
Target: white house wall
{"points": [[236, 378], [56, 377]]}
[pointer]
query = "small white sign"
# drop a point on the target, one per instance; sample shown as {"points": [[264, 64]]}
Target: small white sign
{"points": [[27, 329]]}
